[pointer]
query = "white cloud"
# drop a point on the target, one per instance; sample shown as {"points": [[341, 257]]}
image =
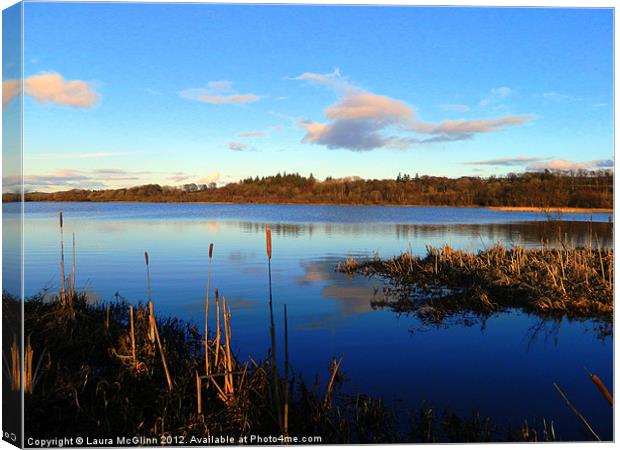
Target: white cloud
{"points": [[218, 92], [361, 120], [51, 87]]}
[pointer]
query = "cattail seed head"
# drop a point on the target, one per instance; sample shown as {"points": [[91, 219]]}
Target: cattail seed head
{"points": [[60, 217], [268, 242], [211, 250], [146, 258], [217, 294]]}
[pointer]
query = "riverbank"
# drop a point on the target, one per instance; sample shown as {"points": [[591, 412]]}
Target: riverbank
{"points": [[553, 209], [541, 210]]}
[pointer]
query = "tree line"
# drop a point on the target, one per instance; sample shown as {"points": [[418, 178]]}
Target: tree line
{"points": [[579, 189]]}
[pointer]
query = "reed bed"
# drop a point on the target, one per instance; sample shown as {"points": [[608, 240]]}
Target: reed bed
{"points": [[556, 282]]}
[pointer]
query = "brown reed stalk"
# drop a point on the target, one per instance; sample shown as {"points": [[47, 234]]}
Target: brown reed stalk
{"points": [[198, 394], [28, 374], [72, 296], [577, 413], [107, 317], [601, 387], [161, 349], [15, 369], [151, 332], [133, 335], [62, 261], [217, 326], [207, 310], [286, 380], [228, 382], [330, 385], [272, 330]]}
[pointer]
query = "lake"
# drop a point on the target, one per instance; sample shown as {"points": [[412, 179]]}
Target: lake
{"points": [[503, 368]]}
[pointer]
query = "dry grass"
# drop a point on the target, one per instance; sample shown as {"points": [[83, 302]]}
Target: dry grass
{"points": [[576, 283]]}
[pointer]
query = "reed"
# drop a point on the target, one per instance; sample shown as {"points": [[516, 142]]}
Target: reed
{"points": [[217, 327], [576, 411], [28, 374], [272, 332], [150, 303], [198, 394], [332, 379], [15, 369], [63, 295], [72, 294], [161, 348], [601, 387], [133, 336], [286, 374], [207, 310]]}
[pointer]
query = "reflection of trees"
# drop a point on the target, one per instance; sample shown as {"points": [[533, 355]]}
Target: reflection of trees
{"points": [[570, 233]]}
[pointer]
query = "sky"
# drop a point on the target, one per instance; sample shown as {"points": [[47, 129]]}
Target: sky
{"points": [[118, 95]]}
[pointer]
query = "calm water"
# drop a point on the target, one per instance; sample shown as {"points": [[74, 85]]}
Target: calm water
{"points": [[504, 369]]}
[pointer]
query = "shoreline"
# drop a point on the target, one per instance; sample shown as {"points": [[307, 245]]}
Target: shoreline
{"points": [[553, 209], [536, 209]]}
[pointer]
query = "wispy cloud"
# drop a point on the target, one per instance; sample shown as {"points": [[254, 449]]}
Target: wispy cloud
{"points": [[362, 120], [495, 95], [239, 147], [219, 93], [252, 134], [539, 163], [517, 161], [211, 178], [51, 87], [102, 178], [78, 155], [562, 164], [454, 107]]}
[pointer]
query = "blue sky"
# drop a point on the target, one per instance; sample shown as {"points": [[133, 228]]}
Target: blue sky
{"points": [[125, 94]]}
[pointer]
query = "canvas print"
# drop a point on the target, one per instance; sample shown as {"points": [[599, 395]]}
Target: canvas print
{"points": [[229, 224]]}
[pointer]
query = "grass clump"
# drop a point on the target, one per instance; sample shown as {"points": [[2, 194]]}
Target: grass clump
{"points": [[575, 283]]}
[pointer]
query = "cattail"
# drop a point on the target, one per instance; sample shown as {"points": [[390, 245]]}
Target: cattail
{"points": [[272, 332], [601, 387], [62, 260], [268, 242], [207, 310], [148, 275]]}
